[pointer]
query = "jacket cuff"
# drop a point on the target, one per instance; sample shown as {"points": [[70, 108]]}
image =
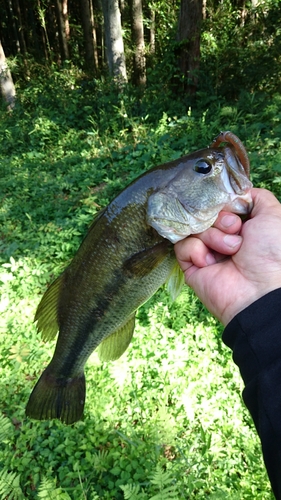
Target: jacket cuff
{"points": [[254, 335]]}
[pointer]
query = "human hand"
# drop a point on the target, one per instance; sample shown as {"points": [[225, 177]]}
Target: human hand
{"points": [[231, 265]]}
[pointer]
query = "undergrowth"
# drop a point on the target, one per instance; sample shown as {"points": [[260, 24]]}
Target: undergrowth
{"points": [[166, 421]]}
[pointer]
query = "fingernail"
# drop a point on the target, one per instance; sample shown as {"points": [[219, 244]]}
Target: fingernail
{"points": [[210, 259], [232, 240], [229, 220]]}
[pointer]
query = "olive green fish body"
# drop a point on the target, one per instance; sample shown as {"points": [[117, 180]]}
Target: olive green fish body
{"points": [[86, 308], [135, 260], [125, 257]]}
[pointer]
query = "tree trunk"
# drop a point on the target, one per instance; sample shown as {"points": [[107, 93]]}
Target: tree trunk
{"points": [[6, 82], [65, 19], [62, 25], [152, 30], [43, 30], [13, 24], [204, 9], [189, 27], [138, 40], [44, 33], [34, 40], [114, 40], [20, 27], [90, 37]]}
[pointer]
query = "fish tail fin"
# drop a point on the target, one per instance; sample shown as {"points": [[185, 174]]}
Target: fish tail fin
{"points": [[61, 398]]}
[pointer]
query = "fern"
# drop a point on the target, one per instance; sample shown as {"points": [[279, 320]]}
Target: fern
{"points": [[168, 493], [48, 491], [5, 429], [132, 492], [10, 488], [163, 481], [100, 461]]}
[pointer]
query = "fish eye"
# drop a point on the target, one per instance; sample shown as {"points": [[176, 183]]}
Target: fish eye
{"points": [[203, 167]]}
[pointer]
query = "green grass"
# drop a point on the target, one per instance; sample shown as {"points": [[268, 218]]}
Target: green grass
{"points": [[166, 420]]}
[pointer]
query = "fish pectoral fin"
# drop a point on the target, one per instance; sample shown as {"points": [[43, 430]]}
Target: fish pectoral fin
{"points": [[46, 314], [175, 281], [142, 263], [116, 344]]}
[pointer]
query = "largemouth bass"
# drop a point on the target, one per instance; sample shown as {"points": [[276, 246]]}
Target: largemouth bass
{"points": [[125, 257]]}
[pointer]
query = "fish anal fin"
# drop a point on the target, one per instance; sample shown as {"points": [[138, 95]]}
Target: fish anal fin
{"points": [[61, 398], [47, 311], [142, 263], [175, 281], [116, 344]]}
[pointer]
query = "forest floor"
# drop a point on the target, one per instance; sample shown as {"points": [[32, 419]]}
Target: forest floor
{"points": [[167, 420]]}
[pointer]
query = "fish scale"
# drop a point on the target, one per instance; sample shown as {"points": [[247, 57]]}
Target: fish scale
{"points": [[123, 260]]}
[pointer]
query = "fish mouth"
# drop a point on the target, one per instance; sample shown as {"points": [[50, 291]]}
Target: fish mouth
{"points": [[236, 176], [238, 146], [236, 183], [240, 204]]}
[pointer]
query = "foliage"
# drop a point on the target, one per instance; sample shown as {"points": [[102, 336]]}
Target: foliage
{"points": [[240, 49], [167, 420], [10, 485], [241, 53]]}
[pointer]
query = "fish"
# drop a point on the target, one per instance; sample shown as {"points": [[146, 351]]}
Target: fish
{"points": [[126, 256]]}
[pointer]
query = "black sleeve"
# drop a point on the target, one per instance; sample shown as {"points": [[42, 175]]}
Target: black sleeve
{"points": [[254, 335]]}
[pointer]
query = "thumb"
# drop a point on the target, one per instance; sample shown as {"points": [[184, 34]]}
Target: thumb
{"points": [[192, 252]]}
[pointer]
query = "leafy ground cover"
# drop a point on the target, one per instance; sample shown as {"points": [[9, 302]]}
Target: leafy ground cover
{"points": [[166, 421]]}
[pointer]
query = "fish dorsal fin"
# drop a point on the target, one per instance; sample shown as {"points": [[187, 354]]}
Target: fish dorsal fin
{"points": [[175, 281], [46, 314], [116, 344], [142, 263]]}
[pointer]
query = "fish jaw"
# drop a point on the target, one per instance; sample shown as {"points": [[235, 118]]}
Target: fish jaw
{"points": [[237, 184], [191, 202]]}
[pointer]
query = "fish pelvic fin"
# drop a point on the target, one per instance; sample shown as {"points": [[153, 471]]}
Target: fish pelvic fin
{"points": [[116, 344], [61, 398], [175, 281], [47, 310]]}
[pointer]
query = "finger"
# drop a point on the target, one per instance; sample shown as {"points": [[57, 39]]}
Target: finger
{"points": [[263, 201], [218, 241], [193, 252], [228, 222]]}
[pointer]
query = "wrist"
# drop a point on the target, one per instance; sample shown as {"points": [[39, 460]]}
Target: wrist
{"points": [[246, 298]]}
